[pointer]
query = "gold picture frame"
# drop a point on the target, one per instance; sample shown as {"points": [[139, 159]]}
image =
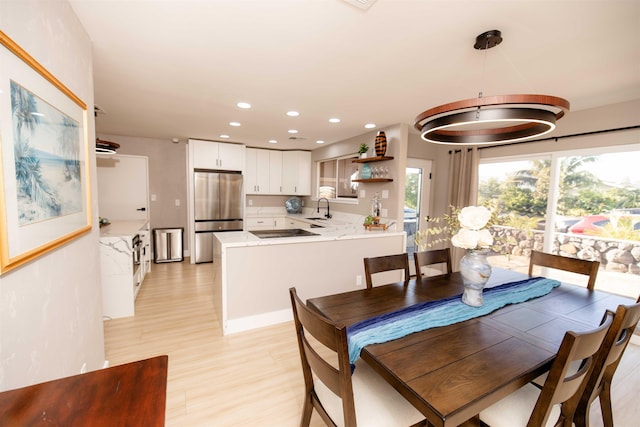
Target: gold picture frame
{"points": [[45, 195]]}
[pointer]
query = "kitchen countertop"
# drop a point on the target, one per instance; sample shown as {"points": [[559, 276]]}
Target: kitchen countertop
{"points": [[122, 228], [332, 229]]}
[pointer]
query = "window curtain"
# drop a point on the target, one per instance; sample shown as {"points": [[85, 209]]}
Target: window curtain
{"points": [[463, 186]]}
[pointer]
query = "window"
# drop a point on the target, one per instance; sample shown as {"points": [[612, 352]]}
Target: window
{"points": [[335, 178], [582, 204]]}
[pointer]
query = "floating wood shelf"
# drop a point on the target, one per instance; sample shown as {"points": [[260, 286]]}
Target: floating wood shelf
{"points": [[373, 180], [372, 159], [372, 226]]}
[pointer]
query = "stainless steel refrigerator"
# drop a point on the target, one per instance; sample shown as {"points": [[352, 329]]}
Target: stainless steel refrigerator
{"points": [[217, 207]]}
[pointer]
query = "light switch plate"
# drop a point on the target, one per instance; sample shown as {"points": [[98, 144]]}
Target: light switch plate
{"points": [[385, 194], [363, 194]]}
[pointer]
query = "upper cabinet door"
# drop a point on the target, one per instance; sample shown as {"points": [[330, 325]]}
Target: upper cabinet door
{"points": [[231, 157], [275, 172], [296, 173], [257, 171], [123, 187], [216, 155]]}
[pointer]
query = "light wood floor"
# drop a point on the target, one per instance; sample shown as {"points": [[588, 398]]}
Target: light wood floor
{"points": [[251, 378]]}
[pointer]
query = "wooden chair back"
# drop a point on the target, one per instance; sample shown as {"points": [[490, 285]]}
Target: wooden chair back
{"points": [[386, 263], [624, 323], [562, 384], [574, 265], [338, 380], [437, 256]]}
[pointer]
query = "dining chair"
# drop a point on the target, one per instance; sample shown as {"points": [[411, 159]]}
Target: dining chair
{"points": [[340, 397], [599, 383], [437, 256], [559, 262], [381, 264], [554, 404]]}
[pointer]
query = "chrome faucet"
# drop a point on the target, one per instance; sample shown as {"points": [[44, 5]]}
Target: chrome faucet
{"points": [[327, 215]]}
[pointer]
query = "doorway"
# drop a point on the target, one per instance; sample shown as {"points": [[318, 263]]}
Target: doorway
{"points": [[416, 201]]}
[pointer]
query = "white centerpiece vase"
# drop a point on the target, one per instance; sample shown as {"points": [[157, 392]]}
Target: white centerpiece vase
{"points": [[475, 271]]}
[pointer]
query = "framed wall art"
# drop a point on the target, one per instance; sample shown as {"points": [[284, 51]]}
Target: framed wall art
{"points": [[45, 198]]}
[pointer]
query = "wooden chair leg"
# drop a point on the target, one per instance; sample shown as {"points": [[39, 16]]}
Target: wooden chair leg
{"points": [[581, 417], [605, 405], [307, 409]]}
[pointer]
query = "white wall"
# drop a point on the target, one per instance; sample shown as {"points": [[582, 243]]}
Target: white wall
{"points": [[397, 136], [51, 308]]}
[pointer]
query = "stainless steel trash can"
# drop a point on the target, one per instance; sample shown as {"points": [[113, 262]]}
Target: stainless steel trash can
{"points": [[167, 244]]}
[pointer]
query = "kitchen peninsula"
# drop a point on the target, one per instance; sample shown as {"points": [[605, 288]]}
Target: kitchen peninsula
{"points": [[125, 258], [252, 276]]}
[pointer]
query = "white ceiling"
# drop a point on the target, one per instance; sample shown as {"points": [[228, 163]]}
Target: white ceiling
{"points": [[175, 69]]}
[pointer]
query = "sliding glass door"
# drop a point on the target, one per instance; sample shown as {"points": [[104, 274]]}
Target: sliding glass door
{"points": [[583, 204]]}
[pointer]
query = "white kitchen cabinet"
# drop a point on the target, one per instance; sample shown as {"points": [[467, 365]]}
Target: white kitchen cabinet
{"points": [[275, 172], [257, 171], [259, 223], [216, 155], [122, 271], [296, 173], [285, 223]]}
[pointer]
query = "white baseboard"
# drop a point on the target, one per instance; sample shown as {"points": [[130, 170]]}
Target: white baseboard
{"points": [[258, 321]]}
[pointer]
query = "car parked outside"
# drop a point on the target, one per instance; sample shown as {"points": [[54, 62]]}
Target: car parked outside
{"points": [[593, 224], [589, 224], [562, 223]]}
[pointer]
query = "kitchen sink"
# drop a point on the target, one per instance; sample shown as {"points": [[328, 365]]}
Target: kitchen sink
{"points": [[290, 232], [317, 219]]}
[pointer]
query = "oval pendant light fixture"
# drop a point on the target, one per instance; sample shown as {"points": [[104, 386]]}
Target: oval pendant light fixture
{"points": [[493, 119]]}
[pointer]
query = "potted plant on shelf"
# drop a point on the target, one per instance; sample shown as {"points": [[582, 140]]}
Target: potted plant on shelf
{"points": [[363, 150]]}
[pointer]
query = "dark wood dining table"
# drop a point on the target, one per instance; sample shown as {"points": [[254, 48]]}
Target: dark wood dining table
{"points": [[451, 373], [132, 394]]}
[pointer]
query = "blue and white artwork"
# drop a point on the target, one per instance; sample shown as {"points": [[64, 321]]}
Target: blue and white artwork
{"points": [[47, 159]]}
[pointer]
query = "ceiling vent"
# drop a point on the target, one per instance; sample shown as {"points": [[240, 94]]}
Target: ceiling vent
{"points": [[361, 4], [297, 138]]}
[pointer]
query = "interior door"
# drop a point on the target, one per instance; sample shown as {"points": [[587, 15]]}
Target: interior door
{"points": [[416, 205], [123, 187]]}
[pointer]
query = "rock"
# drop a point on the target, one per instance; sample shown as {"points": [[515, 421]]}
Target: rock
{"points": [[619, 256], [614, 266], [568, 248]]}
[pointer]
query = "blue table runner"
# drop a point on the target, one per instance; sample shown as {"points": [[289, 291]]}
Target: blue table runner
{"points": [[432, 314]]}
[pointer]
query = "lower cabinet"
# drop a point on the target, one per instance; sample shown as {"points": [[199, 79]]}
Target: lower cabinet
{"points": [[261, 223], [284, 223], [273, 223]]}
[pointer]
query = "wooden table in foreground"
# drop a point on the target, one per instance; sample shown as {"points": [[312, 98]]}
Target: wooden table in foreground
{"points": [[451, 373], [133, 394]]}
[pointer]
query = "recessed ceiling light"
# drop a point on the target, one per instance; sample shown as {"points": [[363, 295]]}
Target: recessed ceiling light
{"points": [[224, 136], [370, 125], [334, 120], [319, 141], [293, 113], [292, 131], [234, 124], [243, 105], [273, 141]]}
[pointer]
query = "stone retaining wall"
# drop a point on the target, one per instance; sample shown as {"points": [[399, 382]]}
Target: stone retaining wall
{"points": [[614, 255]]}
